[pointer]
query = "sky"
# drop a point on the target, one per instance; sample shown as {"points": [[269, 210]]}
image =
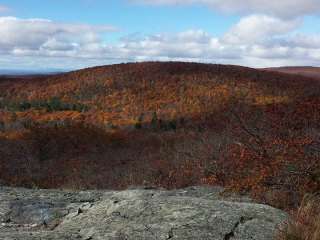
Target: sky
{"points": [[73, 34]]}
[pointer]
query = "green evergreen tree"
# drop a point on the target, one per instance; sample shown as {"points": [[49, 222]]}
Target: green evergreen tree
{"points": [[154, 120]]}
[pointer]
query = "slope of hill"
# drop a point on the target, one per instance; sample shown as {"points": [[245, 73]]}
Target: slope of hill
{"points": [[122, 93], [163, 124], [313, 72]]}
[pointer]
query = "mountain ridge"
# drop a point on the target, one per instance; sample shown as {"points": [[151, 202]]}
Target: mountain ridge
{"points": [[168, 124], [307, 71]]}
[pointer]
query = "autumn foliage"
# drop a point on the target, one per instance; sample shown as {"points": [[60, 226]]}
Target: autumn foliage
{"points": [[305, 222], [166, 125]]}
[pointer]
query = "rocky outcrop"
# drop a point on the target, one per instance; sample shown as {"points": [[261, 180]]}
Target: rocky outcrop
{"points": [[192, 213]]}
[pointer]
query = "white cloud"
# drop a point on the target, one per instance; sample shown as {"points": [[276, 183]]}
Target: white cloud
{"points": [[279, 8], [257, 40], [196, 45], [258, 28], [20, 36]]}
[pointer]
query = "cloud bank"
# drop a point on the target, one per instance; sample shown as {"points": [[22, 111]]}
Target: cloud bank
{"points": [[256, 40], [277, 8], [41, 36]]}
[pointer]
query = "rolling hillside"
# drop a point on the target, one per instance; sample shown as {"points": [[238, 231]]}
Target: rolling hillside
{"points": [[166, 125], [313, 72]]}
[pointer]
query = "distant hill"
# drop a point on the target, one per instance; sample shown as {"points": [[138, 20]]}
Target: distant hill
{"points": [[22, 72], [313, 72], [163, 124], [123, 92]]}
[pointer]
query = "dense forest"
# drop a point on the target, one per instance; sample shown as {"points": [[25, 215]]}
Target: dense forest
{"points": [[167, 125]]}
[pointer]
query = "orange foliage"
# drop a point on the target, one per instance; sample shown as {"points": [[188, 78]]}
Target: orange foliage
{"points": [[168, 125]]}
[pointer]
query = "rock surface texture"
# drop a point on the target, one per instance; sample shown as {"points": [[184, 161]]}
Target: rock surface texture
{"points": [[192, 213]]}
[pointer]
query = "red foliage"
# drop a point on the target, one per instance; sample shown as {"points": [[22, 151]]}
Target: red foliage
{"points": [[166, 125]]}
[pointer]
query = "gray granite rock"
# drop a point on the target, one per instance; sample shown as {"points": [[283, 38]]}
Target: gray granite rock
{"points": [[192, 213]]}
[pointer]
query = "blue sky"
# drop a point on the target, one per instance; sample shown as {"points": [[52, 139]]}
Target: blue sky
{"points": [[129, 17], [73, 34]]}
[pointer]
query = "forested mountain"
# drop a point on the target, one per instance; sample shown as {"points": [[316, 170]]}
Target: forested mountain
{"points": [[313, 72], [167, 124]]}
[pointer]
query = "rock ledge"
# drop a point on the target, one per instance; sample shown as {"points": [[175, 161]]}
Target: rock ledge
{"points": [[192, 213]]}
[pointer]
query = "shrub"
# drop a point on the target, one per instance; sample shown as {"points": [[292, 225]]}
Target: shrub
{"points": [[51, 105], [2, 126], [23, 106], [173, 125], [305, 224], [168, 125], [154, 120], [138, 124], [55, 104]]}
